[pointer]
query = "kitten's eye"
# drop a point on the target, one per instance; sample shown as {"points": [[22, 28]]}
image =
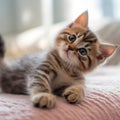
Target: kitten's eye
{"points": [[82, 51], [72, 38]]}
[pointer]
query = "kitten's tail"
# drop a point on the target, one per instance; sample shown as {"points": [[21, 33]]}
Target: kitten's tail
{"points": [[2, 50], [2, 47], [2, 54]]}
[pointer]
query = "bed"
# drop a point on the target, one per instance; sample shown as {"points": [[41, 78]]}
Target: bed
{"points": [[102, 101]]}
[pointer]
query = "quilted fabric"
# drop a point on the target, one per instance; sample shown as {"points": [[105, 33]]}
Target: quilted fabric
{"points": [[102, 101]]}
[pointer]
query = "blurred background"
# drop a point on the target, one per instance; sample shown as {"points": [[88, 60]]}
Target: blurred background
{"points": [[31, 25]]}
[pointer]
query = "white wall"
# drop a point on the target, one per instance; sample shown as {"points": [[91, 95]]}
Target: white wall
{"points": [[19, 15], [6, 20]]}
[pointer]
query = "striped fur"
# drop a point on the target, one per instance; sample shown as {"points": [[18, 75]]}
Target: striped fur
{"points": [[59, 70]]}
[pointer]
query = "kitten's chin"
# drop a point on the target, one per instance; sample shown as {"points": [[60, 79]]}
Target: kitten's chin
{"points": [[68, 57]]}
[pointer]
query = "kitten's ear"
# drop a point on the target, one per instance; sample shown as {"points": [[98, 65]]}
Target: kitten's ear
{"points": [[82, 20], [106, 50]]}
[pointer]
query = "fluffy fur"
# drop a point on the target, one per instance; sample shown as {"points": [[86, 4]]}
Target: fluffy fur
{"points": [[58, 71]]}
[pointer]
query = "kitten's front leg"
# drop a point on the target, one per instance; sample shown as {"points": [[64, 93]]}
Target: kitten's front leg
{"points": [[74, 94], [40, 90]]}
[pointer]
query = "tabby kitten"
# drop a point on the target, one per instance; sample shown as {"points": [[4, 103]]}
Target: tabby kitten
{"points": [[58, 71]]}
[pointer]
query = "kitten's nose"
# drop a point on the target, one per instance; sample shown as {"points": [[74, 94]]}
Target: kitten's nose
{"points": [[70, 48]]}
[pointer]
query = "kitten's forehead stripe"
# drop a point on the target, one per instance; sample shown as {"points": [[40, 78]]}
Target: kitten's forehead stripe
{"points": [[93, 40], [87, 45], [79, 35], [89, 37], [77, 42]]}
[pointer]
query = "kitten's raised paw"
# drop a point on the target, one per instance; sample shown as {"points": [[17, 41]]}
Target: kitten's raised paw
{"points": [[44, 100], [74, 94]]}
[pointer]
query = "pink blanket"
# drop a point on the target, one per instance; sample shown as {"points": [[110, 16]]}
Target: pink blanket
{"points": [[102, 101]]}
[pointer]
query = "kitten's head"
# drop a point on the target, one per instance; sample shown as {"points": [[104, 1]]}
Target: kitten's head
{"points": [[78, 46]]}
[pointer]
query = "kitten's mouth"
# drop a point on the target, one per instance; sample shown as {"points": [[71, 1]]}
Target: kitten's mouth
{"points": [[68, 53]]}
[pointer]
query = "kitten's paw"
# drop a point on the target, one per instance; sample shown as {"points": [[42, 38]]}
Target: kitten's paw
{"points": [[44, 100], [74, 94]]}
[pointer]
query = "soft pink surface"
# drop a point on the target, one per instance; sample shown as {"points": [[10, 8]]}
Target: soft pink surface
{"points": [[102, 101]]}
